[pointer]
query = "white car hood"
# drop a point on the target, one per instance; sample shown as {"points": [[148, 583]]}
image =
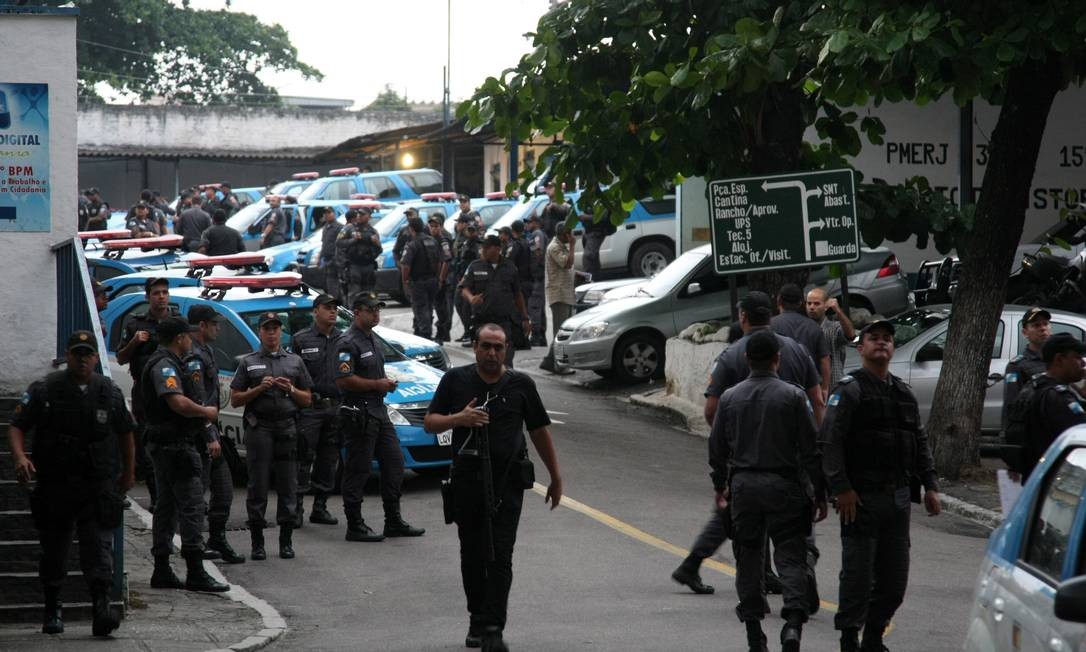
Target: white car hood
{"points": [[606, 311]]}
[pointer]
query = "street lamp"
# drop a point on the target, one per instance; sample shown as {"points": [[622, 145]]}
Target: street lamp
{"points": [[407, 160]]}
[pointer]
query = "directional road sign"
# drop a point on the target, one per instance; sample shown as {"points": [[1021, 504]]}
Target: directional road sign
{"points": [[787, 220]]}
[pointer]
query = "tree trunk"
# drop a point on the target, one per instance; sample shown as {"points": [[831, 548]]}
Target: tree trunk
{"points": [[954, 424]]}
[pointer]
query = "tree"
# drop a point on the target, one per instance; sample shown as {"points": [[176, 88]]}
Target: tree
{"points": [[153, 48], [389, 100]]}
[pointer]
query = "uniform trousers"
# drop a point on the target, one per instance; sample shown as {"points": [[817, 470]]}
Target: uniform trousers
{"points": [[424, 296], [318, 450], [219, 485], [443, 306], [332, 283], [537, 310], [359, 279], [593, 241], [874, 560], [60, 509], [180, 504], [463, 308], [363, 444], [271, 444]]}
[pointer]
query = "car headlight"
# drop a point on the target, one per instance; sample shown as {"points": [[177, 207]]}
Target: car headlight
{"points": [[593, 296], [590, 331], [396, 418]]}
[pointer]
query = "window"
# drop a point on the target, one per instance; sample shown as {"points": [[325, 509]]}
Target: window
{"points": [[1050, 528], [662, 206], [337, 190], [933, 350], [229, 346], [1057, 327], [491, 214], [105, 272], [420, 182], [382, 187]]}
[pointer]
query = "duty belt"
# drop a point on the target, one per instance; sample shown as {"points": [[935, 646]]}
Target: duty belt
{"points": [[323, 402]]}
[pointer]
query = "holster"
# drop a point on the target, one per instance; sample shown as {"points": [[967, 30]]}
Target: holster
{"points": [[448, 505], [524, 473]]}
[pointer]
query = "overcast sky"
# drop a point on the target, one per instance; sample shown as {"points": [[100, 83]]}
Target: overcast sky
{"points": [[361, 45]]}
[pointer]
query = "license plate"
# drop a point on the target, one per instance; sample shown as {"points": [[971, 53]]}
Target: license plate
{"points": [[444, 438]]}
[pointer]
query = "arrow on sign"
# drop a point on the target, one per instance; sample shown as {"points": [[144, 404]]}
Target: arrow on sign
{"points": [[804, 194], [819, 224]]}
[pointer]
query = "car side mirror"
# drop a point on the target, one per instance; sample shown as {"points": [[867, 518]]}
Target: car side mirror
{"points": [[1070, 602], [930, 352], [693, 288]]}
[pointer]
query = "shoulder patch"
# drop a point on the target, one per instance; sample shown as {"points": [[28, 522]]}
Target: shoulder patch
{"points": [[169, 372], [834, 400], [1076, 407], [194, 365], [344, 356], [846, 380], [1011, 378]]}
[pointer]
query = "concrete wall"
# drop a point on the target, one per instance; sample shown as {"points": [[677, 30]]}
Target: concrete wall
{"points": [[41, 49]]}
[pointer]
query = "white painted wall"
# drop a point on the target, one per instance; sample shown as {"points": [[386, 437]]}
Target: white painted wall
{"points": [[39, 48]]}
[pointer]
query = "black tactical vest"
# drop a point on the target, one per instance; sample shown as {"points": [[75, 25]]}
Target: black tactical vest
{"points": [[73, 440], [881, 449]]}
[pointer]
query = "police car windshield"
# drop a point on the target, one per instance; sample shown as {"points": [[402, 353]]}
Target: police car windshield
{"points": [[298, 318], [389, 225], [289, 188], [909, 324], [313, 191]]}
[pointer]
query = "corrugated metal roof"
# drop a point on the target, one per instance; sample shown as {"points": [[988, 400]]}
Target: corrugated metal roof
{"points": [[185, 152]]}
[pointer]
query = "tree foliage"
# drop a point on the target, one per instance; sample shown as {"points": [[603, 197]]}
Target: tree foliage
{"points": [[389, 100], [153, 48]]}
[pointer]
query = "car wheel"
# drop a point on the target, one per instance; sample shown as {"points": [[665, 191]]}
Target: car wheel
{"points": [[649, 258], [638, 358]]}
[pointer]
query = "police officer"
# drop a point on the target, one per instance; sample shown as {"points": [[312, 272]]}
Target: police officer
{"points": [[492, 289], [537, 302], [137, 345], [176, 424], [80, 424], [764, 458], [595, 232], [466, 214], [1022, 368], [97, 211], [140, 224], [277, 224], [466, 248], [217, 479], [404, 236], [359, 245], [445, 285], [272, 384], [366, 428], [487, 394], [328, 260], [318, 427], [554, 213], [520, 253], [874, 450], [420, 268]]}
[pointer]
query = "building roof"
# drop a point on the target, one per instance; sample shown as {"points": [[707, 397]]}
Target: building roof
{"points": [[129, 151], [431, 133]]}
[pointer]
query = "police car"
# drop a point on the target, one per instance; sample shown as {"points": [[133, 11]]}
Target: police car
{"points": [[247, 216], [241, 300], [388, 185], [114, 257], [490, 208], [389, 281], [306, 253], [1031, 589]]}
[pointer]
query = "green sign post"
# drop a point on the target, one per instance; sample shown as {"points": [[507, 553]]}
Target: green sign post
{"points": [[786, 220]]}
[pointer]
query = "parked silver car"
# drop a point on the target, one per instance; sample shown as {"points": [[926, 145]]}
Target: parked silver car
{"points": [[920, 337]]}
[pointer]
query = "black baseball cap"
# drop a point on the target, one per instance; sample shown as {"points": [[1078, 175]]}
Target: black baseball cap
{"points": [[367, 301], [878, 323], [436, 218], [505, 230], [1035, 313], [82, 341], [153, 281], [325, 300], [462, 197], [492, 241], [762, 346], [790, 293], [756, 302], [202, 313], [1061, 343], [171, 327], [269, 317]]}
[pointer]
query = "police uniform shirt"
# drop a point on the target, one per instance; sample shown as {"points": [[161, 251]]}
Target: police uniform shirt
{"points": [[208, 370], [730, 367], [328, 243], [319, 352], [1020, 371], [537, 244], [274, 403], [142, 322], [422, 258], [802, 329], [513, 408], [171, 375], [445, 242], [280, 224], [31, 410], [192, 223], [760, 425], [499, 285], [402, 239], [464, 252], [359, 354], [521, 254], [143, 225], [221, 240], [1057, 408]]}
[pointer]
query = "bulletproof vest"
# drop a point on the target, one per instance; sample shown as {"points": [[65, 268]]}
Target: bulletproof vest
{"points": [[882, 447], [522, 258], [1020, 419], [284, 226], [145, 350], [427, 259], [272, 404], [169, 425], [72, 440], [361, 252]]}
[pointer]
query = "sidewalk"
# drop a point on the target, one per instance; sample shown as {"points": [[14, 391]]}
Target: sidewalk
{"points": [[157, 619]]}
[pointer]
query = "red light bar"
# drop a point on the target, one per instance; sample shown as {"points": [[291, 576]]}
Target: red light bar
{"points": [[343, 172], [363, 195], [305, 175], [437, 196], [232, 259], [501, 195], [161, 242], [216, 186], [372, 205], [117, 234], [278, 280]]}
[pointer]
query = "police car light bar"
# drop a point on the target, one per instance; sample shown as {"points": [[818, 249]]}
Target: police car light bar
{"points": [[343, 172], [116, 234], [160, 242], [205, 186], [501, 195], [266, 281], [437, 196], [372, 205], [301, 176], [232, 260], [363, 195]]}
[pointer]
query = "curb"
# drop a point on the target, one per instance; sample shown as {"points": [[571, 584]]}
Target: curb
{"points": [[673, 411], [980, 515], [274, 623]]}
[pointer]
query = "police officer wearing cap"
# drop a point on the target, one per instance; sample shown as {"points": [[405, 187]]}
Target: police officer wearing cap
{"points": [[537, 242], [272, 384], [80, 425], [765, 462], [875, 455], [466, 214], [420, 268], [358, 246], [327, 260], [218, 482], [141, 223], [1022, 368], [445, 284], [176, 424], [367, 430], [318, 427], [404, 237], [277, 229], [492, 289], [466, 249]]}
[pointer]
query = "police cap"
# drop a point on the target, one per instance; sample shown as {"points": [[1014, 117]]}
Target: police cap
{"points": [[269, 318], [201, 313], [756, 303], [367, 301], [878, 324], [462, 197], [492, 241], [325, 300], [1035, 313], [517, 226], [437, 218], [1061, 343], [153, 281], [171, 327], [762, 346], [82, 341]]}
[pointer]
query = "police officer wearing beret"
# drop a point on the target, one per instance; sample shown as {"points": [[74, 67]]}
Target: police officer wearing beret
{"points": [[318, 427], [420, 267], [1022, 368], [176, 424], [492, 289], [874, 452], [80, 423], [762, 450], [367, 430], [272, 385], [218, 482]]}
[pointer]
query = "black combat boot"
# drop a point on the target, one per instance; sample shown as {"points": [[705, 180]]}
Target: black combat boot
{"points": [[791, 633], [286, 546], [299, 513], [216, 540], [395, 526], [257, 536], [873, 637], [357, 530], [51, 620], [756, 640], [105, 618], [850, 640], [197, 578], [492, 640], [687, 575], [163, 576], [320, 513]]}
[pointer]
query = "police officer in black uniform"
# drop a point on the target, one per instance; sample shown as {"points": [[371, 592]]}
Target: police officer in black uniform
{"points": [[466, 249], [404, 236], [420, 268], [492, 289], [80, 423], [176, 424], [218, 481], [278, 227], [554, 213], [537, 242], [763, 453], [445, 285], [328, 260], [318, 426], [875, 455], [272, 384], [1022, 368], [466, 214], [366, 428], [487, 394], [359, 246]]}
